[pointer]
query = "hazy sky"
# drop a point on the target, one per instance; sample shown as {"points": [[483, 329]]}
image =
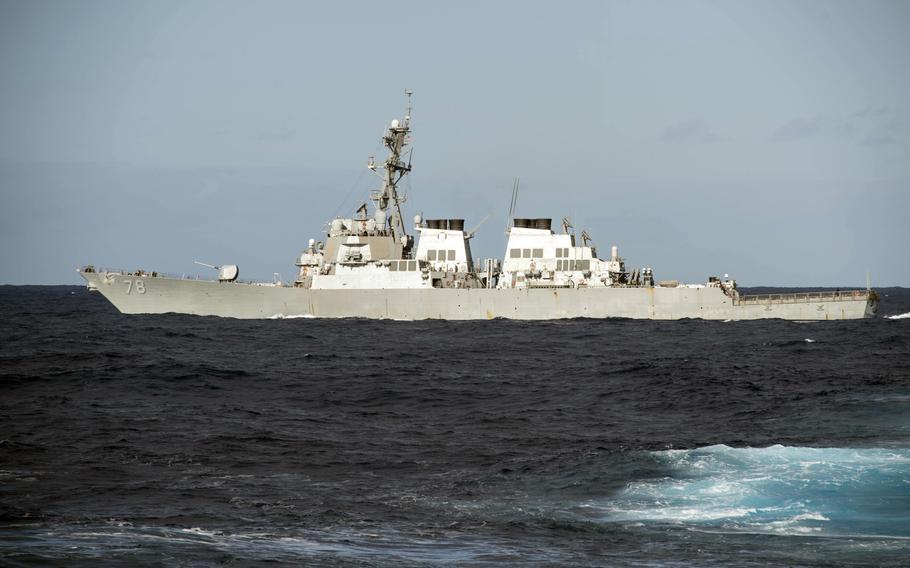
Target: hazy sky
{"points": [[769, 140]]}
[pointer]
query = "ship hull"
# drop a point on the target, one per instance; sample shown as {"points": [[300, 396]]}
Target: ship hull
{"points": [[133, 294]]}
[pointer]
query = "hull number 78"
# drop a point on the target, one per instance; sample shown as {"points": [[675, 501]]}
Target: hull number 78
{"points": [[138, 286]]}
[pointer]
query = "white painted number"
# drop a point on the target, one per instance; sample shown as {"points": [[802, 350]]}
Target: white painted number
{"points": [[140, 286]]}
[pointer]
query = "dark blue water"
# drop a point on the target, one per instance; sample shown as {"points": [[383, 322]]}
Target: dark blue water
{"points": [[179, 440]]}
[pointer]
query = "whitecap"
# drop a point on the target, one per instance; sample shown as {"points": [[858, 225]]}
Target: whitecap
{"points": [[200, 531], [778, 489], [315, 547], [291, 316], [898, 316]]}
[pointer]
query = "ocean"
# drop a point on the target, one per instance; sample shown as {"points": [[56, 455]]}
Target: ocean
{"points": [[181, 440]]}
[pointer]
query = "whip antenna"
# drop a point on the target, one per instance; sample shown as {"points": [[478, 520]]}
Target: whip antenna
{"points": [[513, 203]]}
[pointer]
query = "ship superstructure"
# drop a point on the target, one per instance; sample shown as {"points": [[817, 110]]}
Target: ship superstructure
{"points": [[369, 265], [370, 251]]}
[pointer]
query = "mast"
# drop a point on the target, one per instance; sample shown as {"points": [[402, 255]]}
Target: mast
{"points": [[395, 169]]}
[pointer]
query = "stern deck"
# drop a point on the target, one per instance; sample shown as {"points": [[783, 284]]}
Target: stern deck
{"points": [[806, 297]]}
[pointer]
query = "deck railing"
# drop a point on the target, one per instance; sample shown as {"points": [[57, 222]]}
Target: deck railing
{"points": [[805, 297], [171, 275], [149, 273]]}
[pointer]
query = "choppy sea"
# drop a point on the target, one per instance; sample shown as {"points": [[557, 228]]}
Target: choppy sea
{"points": [[181, 440]]}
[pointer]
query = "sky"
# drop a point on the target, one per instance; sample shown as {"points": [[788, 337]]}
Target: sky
{"points": [[768, 140]]}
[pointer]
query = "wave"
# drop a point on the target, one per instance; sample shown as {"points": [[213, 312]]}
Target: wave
{"points": [[141, 544], [777, 490], [291, 316], [899, 316]]}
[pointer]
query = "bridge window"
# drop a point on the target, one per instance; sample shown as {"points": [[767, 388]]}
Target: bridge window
{"points": [[451, 255], [586, 265], [431, 255], [525, 253], [559, 253], [537, 253], [515, 253], [393, 266], [412, 265]]}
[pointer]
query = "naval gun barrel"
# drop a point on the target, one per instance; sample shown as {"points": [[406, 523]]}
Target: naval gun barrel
{"points": [[226, 272]]}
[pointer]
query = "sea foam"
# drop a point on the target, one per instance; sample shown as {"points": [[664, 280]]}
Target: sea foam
{"points": [[776, 490], [291, 316]]}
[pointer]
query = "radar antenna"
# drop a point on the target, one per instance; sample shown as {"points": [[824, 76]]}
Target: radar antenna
{"points": [[407, 117], [395, 169], [588, 242], [585, 237]]}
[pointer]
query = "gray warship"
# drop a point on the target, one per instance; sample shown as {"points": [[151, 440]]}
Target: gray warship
{"points": [[377, 265]]}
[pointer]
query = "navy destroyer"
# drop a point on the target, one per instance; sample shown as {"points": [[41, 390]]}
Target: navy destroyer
{"points": [[375, 264]]}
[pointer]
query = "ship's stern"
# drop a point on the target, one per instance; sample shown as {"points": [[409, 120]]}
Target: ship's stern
{"points": [[872, 300]]}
